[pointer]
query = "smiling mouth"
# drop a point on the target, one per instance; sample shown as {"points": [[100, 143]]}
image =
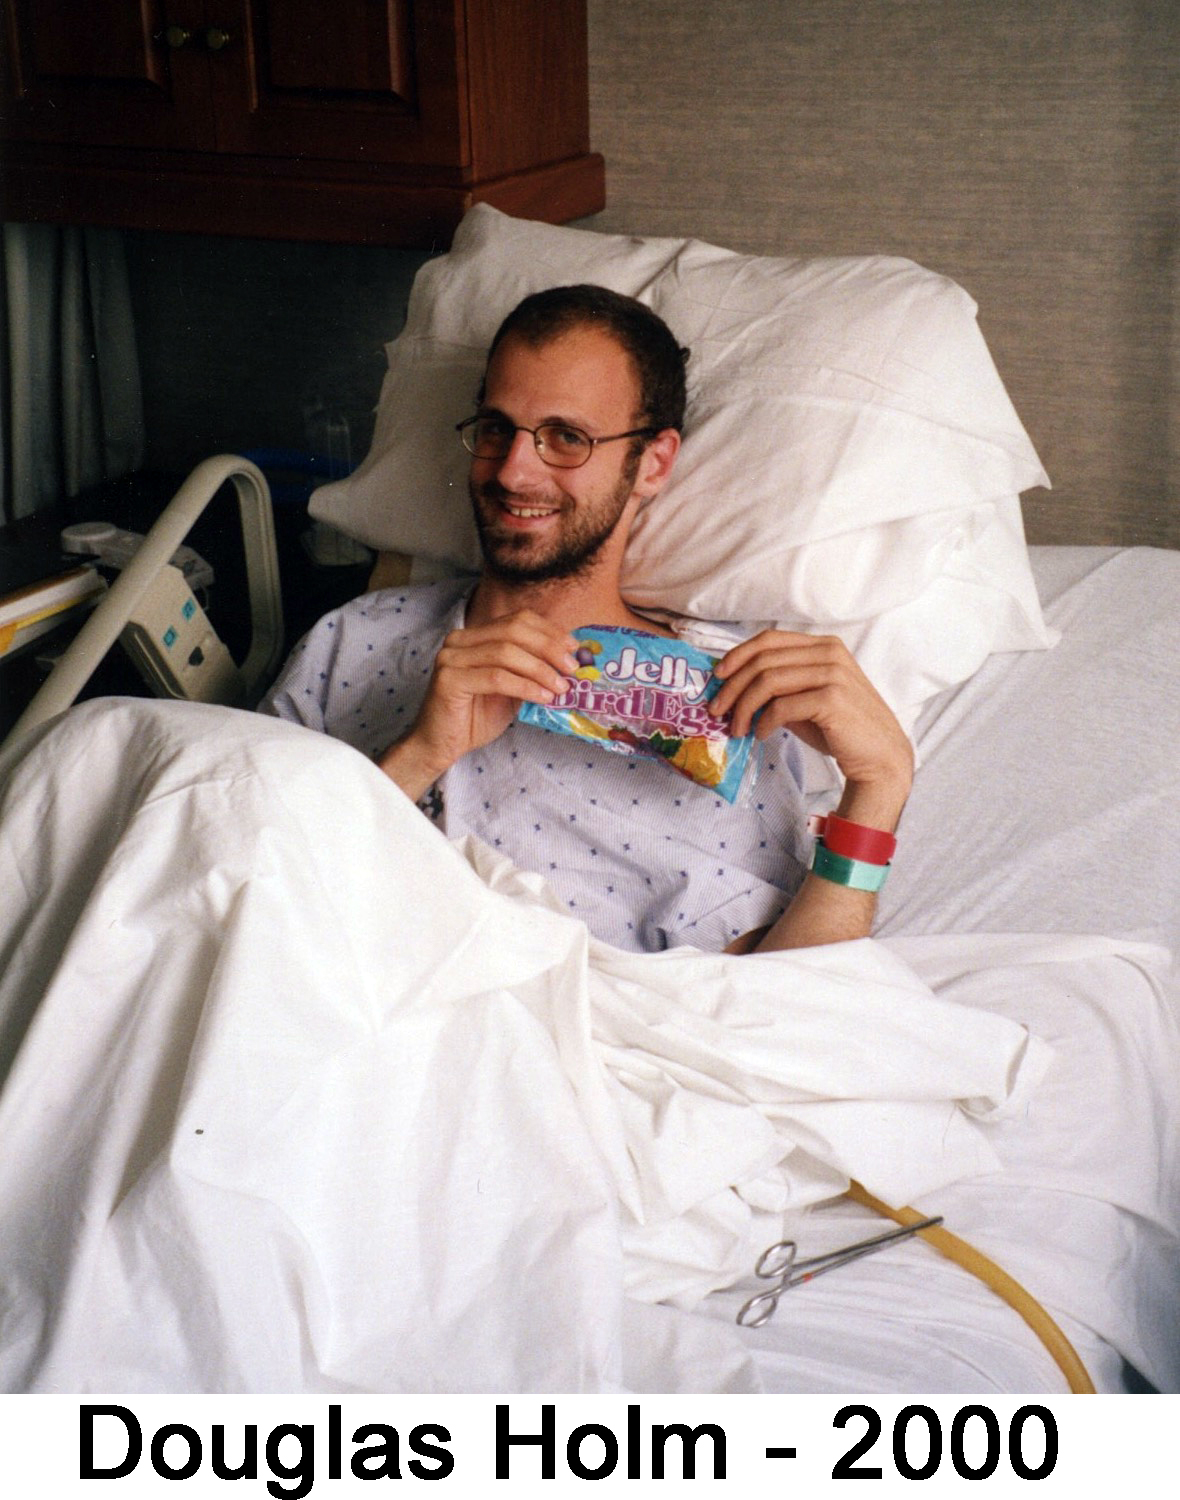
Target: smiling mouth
{"points": [[528, 511]]}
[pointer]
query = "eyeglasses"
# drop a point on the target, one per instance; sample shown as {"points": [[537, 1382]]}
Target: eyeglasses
{"points": [[558, 444]]}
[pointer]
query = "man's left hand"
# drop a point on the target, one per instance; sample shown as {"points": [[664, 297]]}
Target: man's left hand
{"points": [[812, 686]]}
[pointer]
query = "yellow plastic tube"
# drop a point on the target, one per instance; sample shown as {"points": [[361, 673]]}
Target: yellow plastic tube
{"points": [[1001, 1283]]}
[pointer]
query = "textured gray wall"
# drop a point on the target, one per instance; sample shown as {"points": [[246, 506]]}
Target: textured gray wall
{"points": [[1028, 148]]}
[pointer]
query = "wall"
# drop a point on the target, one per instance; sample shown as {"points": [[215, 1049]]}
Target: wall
{"points": [[1025, 147]]}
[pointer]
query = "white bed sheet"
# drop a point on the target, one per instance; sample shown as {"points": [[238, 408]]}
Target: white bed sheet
{"points": [[1048, 796], [190, 1085], [1084, 1214], [1048, 802], [322, 1106]]}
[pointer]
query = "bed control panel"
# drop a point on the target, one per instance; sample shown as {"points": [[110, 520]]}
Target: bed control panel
{"points": [[169, 638], [115, 549]]}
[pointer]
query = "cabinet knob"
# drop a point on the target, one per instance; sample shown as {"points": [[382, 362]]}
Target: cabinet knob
{"points": [[175, 37], [216, 38]]}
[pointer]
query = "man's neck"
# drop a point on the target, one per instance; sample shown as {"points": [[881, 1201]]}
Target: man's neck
{"points": [[567, 602]]}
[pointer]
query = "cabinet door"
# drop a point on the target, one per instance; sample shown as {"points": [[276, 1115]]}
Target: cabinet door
{"points": [[357, 80], [103, 73]]}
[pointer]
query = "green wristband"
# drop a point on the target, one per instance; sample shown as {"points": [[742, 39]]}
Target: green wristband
{"points": [[856, 874]]}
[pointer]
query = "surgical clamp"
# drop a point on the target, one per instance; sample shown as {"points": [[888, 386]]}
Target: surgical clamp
{"points": [[780, 1263]]}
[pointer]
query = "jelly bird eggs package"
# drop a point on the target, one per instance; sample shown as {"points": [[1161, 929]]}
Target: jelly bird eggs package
{"points": [[638, 693]]}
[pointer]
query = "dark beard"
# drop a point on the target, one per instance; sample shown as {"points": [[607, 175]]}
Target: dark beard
{"points": [[506, 557]]}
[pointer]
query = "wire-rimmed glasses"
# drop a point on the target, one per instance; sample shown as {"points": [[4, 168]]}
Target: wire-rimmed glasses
{"points": [[557, 443]]}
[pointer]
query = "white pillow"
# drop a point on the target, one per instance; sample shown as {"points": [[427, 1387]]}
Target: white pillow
{"points": [[851, 462]]}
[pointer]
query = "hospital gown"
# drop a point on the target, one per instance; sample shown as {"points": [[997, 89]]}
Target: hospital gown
{"points": [[647, 858]]}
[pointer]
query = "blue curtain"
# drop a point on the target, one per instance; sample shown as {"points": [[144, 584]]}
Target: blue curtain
{"points": [[71, 408]]}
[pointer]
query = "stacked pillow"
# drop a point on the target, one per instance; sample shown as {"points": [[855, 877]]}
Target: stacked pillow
{"points": [[851, 465]]}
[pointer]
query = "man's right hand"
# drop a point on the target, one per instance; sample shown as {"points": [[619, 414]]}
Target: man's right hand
{"points": [[481, 676]]}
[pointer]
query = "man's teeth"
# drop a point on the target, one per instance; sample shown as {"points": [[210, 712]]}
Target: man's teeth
{"points": [[529, 510]]}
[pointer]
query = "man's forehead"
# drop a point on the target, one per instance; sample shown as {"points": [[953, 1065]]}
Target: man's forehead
{"points": [[584, 371]]}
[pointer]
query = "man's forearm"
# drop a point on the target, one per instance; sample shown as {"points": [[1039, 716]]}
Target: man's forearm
{"points": [[822, 911], [406, 765]]}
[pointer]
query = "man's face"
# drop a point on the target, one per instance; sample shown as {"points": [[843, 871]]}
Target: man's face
{"points": [[536, 522]]}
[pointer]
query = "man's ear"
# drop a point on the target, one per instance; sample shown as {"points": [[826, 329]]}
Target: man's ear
{"points": [[655, 464]]}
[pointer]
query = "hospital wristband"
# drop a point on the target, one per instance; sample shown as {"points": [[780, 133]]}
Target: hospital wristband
{"points": [[856, 874], [855, 840]]}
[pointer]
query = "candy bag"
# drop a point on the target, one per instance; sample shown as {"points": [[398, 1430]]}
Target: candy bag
{"points": [[638, 693]]}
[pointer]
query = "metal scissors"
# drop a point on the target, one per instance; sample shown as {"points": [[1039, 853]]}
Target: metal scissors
{"points": [[780, 1263]]}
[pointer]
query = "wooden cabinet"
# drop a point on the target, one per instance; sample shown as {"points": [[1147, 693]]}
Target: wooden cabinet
{"points": [[374, 121]]}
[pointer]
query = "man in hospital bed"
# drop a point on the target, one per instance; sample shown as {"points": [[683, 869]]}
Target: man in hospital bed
{"points": [[578, 426], [280, 1048]]}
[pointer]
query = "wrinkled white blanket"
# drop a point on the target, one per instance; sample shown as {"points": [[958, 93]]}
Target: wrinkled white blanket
{"points": [[301, 1096]]}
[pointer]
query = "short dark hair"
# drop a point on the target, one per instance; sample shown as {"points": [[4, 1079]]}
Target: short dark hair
{"points": [[658, 359]]}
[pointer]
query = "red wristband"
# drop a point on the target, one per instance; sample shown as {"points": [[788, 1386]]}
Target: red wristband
{"points": [[854, 841]]}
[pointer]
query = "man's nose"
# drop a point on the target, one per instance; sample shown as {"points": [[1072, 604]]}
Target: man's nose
{"points": [[522, 464]]}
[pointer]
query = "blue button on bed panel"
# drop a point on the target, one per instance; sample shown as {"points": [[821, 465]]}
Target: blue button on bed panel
{"points": [[170, 636], [189, 608]]}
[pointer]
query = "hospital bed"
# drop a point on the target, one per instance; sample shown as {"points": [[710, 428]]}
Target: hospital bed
{"points": [[238, 1070]]}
